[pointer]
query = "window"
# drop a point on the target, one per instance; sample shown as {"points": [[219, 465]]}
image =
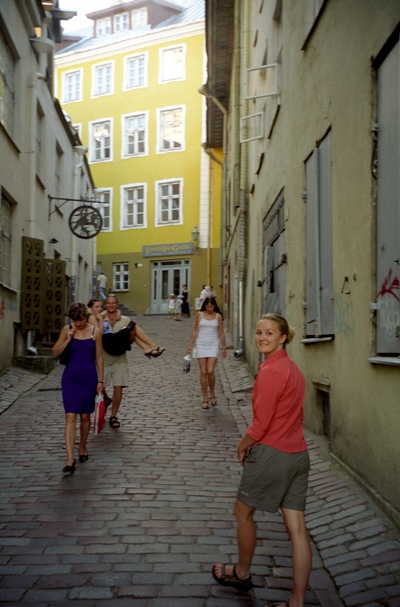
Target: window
{"points": [[171, 130], [172, 64], [134, 134], [39, 139], [121, 276], [139, 17], [5, 242], [135, 72], [100, 147], [103, 79], [133, 206], [319, 263], [169, 203], [72, 86], [388, 206], [58, 169], [103, 27], [121, 22], [7, 85], [78, 129], [274, 258], [104, 206]]}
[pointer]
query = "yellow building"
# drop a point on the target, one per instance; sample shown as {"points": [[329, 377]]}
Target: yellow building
{"points": [[131, 88]]}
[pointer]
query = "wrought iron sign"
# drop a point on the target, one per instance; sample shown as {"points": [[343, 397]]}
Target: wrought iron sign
{"points": [[85, 221]]}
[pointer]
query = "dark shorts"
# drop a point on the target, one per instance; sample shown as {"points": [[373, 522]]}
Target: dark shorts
{"points": [[272, 479]]}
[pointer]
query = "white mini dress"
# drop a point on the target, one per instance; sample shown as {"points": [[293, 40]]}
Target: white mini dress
{"points": [[208, 342]]}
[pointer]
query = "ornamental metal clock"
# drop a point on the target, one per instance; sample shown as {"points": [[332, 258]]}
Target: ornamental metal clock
{"points": [[85, 222]]}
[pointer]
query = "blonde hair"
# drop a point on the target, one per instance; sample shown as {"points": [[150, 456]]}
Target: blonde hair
{"points": [[283, 325]]}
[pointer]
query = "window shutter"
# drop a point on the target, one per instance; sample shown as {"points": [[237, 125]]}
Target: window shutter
{"points": [[388, 207]]}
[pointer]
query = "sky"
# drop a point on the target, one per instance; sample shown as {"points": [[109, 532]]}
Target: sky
{"points": [[81, 7]]}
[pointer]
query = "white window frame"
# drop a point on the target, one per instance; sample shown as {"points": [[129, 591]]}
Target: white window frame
{"points": [[121, 22], [135, 58], [129, 206], [120, 276], [76, 85], [107, 87], [139, 17], [161, 114], [104, 206], [159, 221], [164, 75], [252, 127], [92, 145], [103, 27], [267, 72], [7, 85], [125, 135], [78, 128]]}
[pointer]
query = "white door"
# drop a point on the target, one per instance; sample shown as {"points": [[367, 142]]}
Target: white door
{"points": [[167, 277]]}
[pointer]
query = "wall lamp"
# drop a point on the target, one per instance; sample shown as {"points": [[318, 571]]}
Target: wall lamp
{"points": [[81, 149], [43, 45], [195, 238]]}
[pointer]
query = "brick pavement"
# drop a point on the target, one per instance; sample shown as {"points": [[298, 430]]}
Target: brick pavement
{"points": [[142, 521]]}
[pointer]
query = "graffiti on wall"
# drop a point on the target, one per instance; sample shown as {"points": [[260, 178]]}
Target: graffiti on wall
{"points": [[344, 323], [389, 305], [7, 305]]}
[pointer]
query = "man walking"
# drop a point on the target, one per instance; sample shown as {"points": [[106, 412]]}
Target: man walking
{"points": [[102, 285], [115, 366]]}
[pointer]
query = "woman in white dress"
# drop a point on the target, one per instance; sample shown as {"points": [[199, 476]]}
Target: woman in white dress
{"points": [[208, 333]]}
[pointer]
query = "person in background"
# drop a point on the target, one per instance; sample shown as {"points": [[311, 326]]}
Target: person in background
{"points": [[178, 307], [185, 302], [82, 379], [275, 460], [208, 335], [171, 305], [115, 365], [96, 314], [102, 285]]}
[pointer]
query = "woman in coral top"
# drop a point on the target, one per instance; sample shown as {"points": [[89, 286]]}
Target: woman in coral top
{"points": [[275, 461]]}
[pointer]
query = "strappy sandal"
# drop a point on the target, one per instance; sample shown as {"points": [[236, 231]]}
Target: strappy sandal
{"points": [[213, 401], [155, 352], [232, 579], [205, 405], [114, 422]]}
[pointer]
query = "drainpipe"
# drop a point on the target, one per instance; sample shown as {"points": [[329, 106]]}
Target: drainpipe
{"points": [[241, 160], [203, 91], [213, 157]]}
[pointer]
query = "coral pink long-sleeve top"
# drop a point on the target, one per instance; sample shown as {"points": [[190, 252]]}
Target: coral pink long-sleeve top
{"points": [[277, 400]]}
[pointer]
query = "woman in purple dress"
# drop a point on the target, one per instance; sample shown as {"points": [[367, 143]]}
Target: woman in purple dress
{"points": [[82, 379]]}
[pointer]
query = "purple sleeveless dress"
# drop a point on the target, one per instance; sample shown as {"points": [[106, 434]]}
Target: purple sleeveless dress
{"points": [[79, 380]]}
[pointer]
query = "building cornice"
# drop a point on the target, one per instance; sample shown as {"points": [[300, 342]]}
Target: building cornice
{"points": [[164, 36]]}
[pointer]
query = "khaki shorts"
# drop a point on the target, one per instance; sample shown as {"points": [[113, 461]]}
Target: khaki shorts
{"points": [[116, 374], [273, 479]]}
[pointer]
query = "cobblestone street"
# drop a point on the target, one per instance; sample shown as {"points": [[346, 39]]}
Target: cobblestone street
{"points": [[141, 523]]}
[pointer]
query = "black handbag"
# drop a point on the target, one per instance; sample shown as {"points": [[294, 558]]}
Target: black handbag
{"points": [[65, 355]]}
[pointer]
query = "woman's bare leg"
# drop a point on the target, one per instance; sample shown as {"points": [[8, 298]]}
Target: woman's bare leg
{"points": [[246, 539], [301, 553], [85, 428], [70, 425], [211, 362], [203, 378]]}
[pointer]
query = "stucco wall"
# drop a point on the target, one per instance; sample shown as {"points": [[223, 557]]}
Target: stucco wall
{"points": [[329, 85]]}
